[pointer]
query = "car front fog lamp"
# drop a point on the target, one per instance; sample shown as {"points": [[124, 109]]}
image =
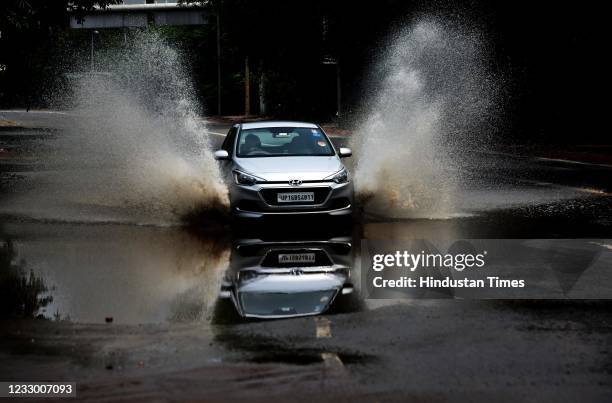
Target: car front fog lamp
{"points": [[244, 179], [341, 177]]}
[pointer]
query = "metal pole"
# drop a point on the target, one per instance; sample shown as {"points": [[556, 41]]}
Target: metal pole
{"points": [[93, 33], [262, 89], [338, 89], [92, 46], [247, 87], [219, 60]]}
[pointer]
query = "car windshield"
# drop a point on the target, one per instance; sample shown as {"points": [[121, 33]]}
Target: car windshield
{"points": [[283, 142], [282, 304]]}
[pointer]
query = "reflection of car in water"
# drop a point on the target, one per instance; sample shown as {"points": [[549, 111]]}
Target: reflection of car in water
{"points": [[281, 168], [287, 279]]}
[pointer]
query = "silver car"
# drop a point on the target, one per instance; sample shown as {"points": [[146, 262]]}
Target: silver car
{"points": [[272, 280], [276, 168]]}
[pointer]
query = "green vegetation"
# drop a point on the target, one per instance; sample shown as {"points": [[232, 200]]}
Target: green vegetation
{"points": [[22, 293], [288, 45], [31, 32]]}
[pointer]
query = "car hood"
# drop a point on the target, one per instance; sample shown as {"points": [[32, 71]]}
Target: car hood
{"points": [[288, 295], [287, 283], [288, 168]]}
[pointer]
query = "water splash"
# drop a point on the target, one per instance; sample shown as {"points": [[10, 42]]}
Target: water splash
{"points": [[435, 88], [134, 148]]}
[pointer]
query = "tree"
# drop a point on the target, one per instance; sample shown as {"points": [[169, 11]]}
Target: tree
{"points": [[28, 31]]}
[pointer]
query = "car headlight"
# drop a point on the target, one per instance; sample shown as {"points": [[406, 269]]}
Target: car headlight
{"points": [[340, 177], [245, 179]]}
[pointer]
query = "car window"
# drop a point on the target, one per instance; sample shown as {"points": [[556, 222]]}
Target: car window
{"points": [[283, 141], [285, 304]]}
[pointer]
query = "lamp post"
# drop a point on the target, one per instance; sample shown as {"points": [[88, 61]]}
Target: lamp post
{"points": [[330, 60], [94, 32], [247, 87], [218, 14]]}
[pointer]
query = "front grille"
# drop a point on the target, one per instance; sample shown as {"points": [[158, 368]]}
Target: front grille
{"points": [[271, 258], [270, 195], [250, 205]]}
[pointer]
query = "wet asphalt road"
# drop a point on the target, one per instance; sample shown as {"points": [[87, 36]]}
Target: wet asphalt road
{"points": [[135, 314]]}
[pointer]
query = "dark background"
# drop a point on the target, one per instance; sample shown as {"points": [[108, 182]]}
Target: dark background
{"points": [[550, 57]]}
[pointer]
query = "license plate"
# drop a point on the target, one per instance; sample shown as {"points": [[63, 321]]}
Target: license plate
{"points": [[296, 258], [295, 197]]}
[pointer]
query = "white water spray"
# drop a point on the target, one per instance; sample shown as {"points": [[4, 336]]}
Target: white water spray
{"points": [[433, 89], [134, 149]]}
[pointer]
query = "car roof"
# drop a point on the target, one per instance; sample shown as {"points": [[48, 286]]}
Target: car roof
{"points": [[277, 123]]}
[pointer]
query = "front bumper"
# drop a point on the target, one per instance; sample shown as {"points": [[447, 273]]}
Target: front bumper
{"points": [[259, 200]]}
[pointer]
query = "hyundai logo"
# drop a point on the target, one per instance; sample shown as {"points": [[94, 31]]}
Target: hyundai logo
{"points": [[295, 182]]}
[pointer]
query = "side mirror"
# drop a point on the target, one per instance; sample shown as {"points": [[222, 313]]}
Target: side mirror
{"points": [[221, 155], [226, 290], [344, 152]]}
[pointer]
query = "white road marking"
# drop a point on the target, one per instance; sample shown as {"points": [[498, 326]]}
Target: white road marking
{"points": [[573, 162], [215, 133], [330, 360], [526, 157], [33, 111], [603, 245], [593, 191], [323, 327], [574, 188]]}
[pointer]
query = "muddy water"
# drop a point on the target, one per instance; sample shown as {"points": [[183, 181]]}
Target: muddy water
{"points": [[99, 202], [123, 262], [145, 274], [129, 274]]}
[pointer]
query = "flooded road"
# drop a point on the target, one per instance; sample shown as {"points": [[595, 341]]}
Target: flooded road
{"points": [[136, 297]]}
